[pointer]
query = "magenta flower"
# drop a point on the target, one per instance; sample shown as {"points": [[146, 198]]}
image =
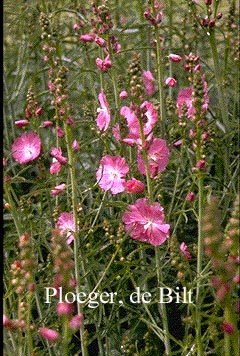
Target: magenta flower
{"points": [[171, 82], [104, 116], [104, 64], [76, 321], [123, 94], [55, 166], [49, 334], [184, 249], [158, 154], [148, 81], [134, 186], [111, 172], [87, 37], [66, 226], [26, 147], [146, 222], [57, 153]]}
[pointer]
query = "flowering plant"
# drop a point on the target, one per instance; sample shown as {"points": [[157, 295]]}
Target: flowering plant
{"points": [[120, 174]]}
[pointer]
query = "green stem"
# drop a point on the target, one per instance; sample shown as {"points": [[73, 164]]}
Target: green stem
{"points": [[162, 307], [223, 103], [78, 255]]}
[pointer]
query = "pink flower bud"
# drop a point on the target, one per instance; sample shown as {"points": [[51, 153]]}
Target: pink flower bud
{"points": [[76, 321], [190, 196], [174, 57], [211, 23], [205, 135], [75, 27], [184, 249], [100, 41], [61, 112], [219, 15], [60, 132], [171, 82], [123, 95], [70, 120], [134, 186], [105, 64], [87, 38], [197, 68], [58, 189], [47, 124], [38, 111], [201, 164], [51, 86], [75, 145], [228, 328], [28, 113], [49, 334], [55, 167], [21, 123], [192, 133], [208, 2], [64, 308]]}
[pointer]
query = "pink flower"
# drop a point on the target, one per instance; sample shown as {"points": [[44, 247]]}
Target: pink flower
{"points": [[75, 145], [26, 147], [146, 222], [38, 111], [104, 64], [123, 95], [58, 189], [55, 166], [76, 321], [111, 172], [21, 123], [174, 57], [87, 38], [201, 164], [158, 154], [104, 116], [49, 334], [66, 226], [171, 82], [148, 81], [100, 41], [47, 124], [57, 153], [183, 248], [134, 186]]}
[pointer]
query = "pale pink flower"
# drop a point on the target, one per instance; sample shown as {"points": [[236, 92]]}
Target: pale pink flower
{"points": [[148, 81], [26, 147], [49, 334], [58, 189], [21, 123], [171, 82], [55, 166], [146, 222], [76, 321], [104, 64], [184, 249], [158, 154], [104, 116], [111, 172], [134, 186], [66, 226], [174, 57]]}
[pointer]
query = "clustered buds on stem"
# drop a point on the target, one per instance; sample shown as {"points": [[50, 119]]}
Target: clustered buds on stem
{"points": [[135, 75]]}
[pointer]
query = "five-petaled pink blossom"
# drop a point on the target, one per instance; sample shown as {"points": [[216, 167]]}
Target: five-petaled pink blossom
{"points": [[134, 186], [104, 64], [146, 222], [171, 82], [111, 173], [104, 116], [26, 147], [184, 249], [148, 81], [66, 226], [49, 334], [158, 154]]}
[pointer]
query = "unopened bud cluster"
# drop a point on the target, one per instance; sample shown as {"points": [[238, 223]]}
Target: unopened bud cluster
{"points": [[135, 75]]}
